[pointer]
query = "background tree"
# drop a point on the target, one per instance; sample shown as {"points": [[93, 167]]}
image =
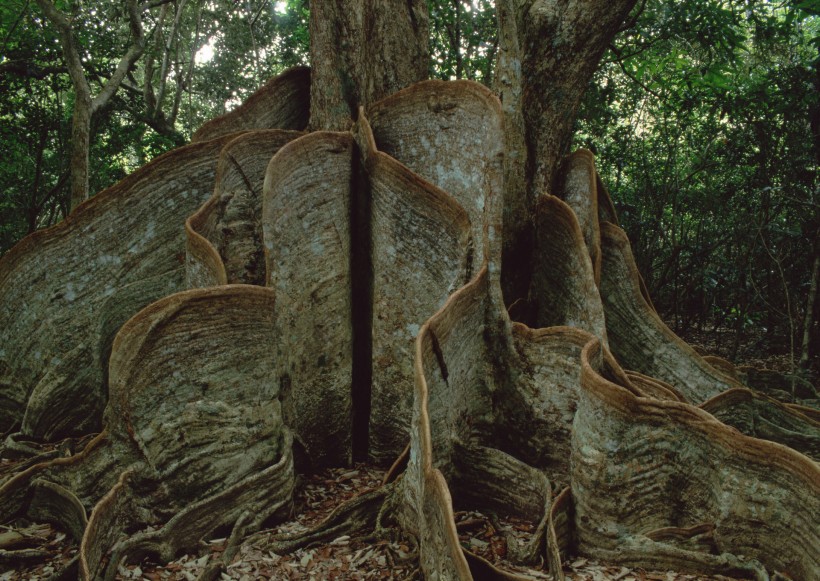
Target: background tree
{"points": [[463, 40], [86, 105], [133, 127], [34, 128]]}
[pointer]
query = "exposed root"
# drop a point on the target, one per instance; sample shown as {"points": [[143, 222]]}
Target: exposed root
{"points": [[22, 555], [360, 514], [19, 453], [214, 569]]}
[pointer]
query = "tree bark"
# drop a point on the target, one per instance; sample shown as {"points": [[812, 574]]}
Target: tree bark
{"points": [[166, 55], [35, 205], [362, 51], [80, 145], [148, 95], [548, 51], [217, 395]]}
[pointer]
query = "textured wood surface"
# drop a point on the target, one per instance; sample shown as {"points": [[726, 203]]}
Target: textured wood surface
{"points": [[67, 289], [305, 218], [564, 291], [450, 134], [421, 251], [224, 237], [643, 465], [282, 103], [347, 73], [205, 419], [579, 190], [638, 337], [374, 318]]}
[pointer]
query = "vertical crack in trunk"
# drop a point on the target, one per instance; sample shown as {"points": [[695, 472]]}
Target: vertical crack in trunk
{"points": [[361, 288]]}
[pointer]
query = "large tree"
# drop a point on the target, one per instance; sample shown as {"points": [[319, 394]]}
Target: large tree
{"points": [[342, 293]]}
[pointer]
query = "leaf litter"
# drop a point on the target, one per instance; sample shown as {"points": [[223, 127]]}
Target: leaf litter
{"points": [[344, 558], [33, 551], [486, 536]]}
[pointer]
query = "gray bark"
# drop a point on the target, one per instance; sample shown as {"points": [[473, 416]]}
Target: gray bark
{"points": [[362, 51], [548, 51]]}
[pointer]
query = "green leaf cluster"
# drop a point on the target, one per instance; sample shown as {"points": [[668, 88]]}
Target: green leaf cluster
{"points": [[236, 45], [705, 120]]}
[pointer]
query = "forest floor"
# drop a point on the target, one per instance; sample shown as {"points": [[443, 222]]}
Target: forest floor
{"points": [[344, 558], [755, 347]]}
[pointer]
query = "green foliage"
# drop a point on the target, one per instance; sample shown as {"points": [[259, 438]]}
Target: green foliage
{"points": [[700, 119], [34, 124], [250, 42], [237, 45], [463, 39]]}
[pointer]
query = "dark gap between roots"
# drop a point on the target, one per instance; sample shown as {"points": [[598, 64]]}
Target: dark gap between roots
{"points": [[361, 287], [516, 275]]}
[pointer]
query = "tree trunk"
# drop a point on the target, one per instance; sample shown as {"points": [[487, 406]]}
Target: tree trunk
{"points": [[806, 350], [548, 51], [36, 200], [84, 105], [80, 145], [362, 51]]}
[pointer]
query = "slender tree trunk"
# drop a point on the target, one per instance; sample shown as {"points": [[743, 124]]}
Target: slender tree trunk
{"points": [[456, 39], [808, 322], [149, 68], [80, 145], [549, 50], [361, 51], [81, 117], [35, 205], [185, 82], [170, 42], [84, 105]]}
